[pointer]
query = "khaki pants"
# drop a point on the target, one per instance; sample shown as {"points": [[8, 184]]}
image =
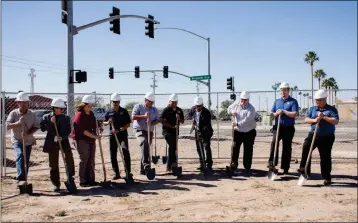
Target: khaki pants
{"points": [[53, 157], [87, 152]]}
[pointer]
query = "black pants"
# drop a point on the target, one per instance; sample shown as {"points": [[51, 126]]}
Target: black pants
{"points": [[248, 139], [53, 157], [205, 144], [171, 140], [286, 134], [324, 145], [114, 151]]}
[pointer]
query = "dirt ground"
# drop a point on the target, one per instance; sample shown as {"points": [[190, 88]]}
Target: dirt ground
{"points": [[192, 197]]}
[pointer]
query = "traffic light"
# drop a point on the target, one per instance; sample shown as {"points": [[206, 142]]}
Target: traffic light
{"points": [[81, 76], [150, 27], [229, 83], [136, 72], [111, 72], [64, 11], [165, 71], [233, 97], [116, 22]]}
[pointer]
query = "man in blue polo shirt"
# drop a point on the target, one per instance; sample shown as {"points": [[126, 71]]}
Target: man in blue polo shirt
{"points": [[328, 117], [287, 107]]}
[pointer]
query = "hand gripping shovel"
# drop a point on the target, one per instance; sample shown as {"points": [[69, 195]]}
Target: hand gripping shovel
{"points": [[272, 173], [303, 177], [165, 158], [231, 169], [104, 183], [129, 178], [25, 188], [70, 184], [176, 169], [155, 158], [149, 172], [205, 170]]}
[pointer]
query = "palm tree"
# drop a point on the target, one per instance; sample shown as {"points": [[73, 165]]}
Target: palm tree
{"points": [[295, 88], [310, 58], [319, 75], [331, 84], [300, 94]]}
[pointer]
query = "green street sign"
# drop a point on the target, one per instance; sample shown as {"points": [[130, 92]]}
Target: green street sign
{"points": [[199, 78]]}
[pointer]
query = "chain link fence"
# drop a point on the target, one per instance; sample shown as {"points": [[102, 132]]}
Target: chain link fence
{"points": [[345, 147]]}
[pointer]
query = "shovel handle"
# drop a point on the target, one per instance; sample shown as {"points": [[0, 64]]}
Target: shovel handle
{"points": [[176, 141], [276, 139], [62, 154], [311, 147], [24, 152], [149, 141], [101, 152], [120, 150], [232, 134]]}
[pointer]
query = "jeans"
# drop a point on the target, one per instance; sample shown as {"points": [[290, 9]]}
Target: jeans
{"points": [[20, 168]]}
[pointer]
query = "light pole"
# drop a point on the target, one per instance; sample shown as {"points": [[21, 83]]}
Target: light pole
{"points": [[32, 75], [208, 40], [154, 81], [274, 87]]}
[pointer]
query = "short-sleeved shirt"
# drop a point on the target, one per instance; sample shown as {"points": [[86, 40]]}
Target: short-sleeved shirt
{"points": [[31, 121], [120, 118], [324, 128], [169, 114], [140, 109], [290, 105]]}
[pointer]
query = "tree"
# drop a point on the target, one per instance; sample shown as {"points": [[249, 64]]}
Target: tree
{"points": [[78, 100], [319, 75], [130, 105], [332, 84], [310, 58], [224, 105]]}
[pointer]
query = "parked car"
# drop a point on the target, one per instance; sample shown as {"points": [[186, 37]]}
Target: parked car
{"points": [[99, 113], [41, 112]]}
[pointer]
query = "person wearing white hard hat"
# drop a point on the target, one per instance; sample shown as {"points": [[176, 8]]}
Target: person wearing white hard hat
{"points": [[85, 134], [51, 144], [245, 130], [328, 118], [23, 123], [121, 120], [169, 117], [287, 107], [141, 114], [202, 120]]}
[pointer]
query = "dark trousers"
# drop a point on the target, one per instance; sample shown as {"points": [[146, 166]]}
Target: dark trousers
{"points": [[87, 152], [123, 143], [204, 142], [286, 134], [142, 137], [324, 145], [171, 141], [248, 139], [53, 157]]}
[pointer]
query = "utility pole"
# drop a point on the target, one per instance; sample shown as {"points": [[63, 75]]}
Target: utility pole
{"points": [[95, 98], [32, 75], [154, 81], [259, 103], [197, 88], [70, 60], [267, 105]]}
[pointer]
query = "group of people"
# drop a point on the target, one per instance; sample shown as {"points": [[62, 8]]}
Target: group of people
{"points": [[86, 130]]}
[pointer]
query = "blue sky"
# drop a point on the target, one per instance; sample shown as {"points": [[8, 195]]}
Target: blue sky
{"points": [[256, 42]]}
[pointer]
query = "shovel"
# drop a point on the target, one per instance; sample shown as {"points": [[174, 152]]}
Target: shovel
{"points": [[230, 169], [176, 169], [155, 158], [104, 183], [303, 177], [205, 170], [149, 172], [25, 188], [129, 178], [272, 173], [165, 158], [70, 185]]}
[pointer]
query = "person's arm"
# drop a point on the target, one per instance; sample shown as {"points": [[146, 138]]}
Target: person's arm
{"points": [[136, 113], [232, 108], [157, 117], [127, 122], [181, 115], [294, 112], [274, 109], [67, 126], [106, 119], [308, 118], [250, 117], [36, 125], [334, 120], [164, 120], [44, 124], [10, 122]]}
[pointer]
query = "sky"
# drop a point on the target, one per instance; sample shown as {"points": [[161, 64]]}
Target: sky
{"points": [[258, 43]]}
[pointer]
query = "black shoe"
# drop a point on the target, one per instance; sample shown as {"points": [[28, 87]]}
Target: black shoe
{"points": [[327, 182], [56, 188], [200, 168], [94, 183], [116, 177], [84, 185], [285, 172], [270, 165], [142, 172]]}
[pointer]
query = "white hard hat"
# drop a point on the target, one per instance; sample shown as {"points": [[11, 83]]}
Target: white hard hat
{"points": [[245, 95], [321, 93], [173, 97], [22, 96], [58, 103], [284, 85], [115, 97], [149, 96], [198, 100], [88, 99]]}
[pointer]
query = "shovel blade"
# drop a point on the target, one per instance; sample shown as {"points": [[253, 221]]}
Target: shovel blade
{"points": [[272, 175], [177, 171], [25, 189], [71, 187], [107, 184], [155, 159], [129, 179], [150, 173], [229, 171], [164, 159], [301, 180]]}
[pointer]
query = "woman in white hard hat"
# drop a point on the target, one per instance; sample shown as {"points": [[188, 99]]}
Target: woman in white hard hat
{"points": [[18, 120], [169, 117], [84, 132], [328, 118], [51, 144], [202, 119], [121, 120], [287, 107], [141, 114], [245, 132]]}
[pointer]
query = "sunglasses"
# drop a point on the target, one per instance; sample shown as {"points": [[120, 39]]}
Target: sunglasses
{"points": [[319, 99], [243, 99]]}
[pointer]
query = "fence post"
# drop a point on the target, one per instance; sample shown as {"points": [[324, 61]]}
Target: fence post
{"points": [[217, 121], [2, 135]]}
